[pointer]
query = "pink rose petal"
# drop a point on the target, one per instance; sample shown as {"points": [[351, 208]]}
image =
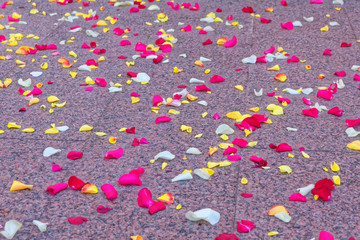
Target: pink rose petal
{"points": [[233, 158], [297, 197], [287, 26], [270, 50], [109, 191], [56, 168], [145, 198], [114, 154], [325, 236], [162, 119], [231, 43], [54, 189]]}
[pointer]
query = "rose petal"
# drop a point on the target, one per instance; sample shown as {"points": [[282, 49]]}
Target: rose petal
{"points": [[109, 191], [325, 236], [230, 150], [340, 74], [240, 142], [246, 195], [73, 155], [145, 198], [156, 207], [162, 119], [326, 94], [287, 26], [297, 197], [130, 179], [327, 52], [312, 112], [336, 111], [56, 168], [77, 220], [216, 78], [114, 154], [231, 43], [293, 59], [306, 101], [102, 209], [233, 157], [245, 226], [75, 183], [54, 189], [227, 236], [248, 9], [270, 50], [264, 20]]}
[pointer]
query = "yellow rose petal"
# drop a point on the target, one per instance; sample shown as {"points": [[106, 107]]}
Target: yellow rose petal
{"points": [[354, 145], [336, 180], [244, 181], [285, 169], [334, 167], [85, 128], [28, 130], [100, 134]]}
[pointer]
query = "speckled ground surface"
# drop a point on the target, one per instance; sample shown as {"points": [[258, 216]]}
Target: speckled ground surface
{"points": [[323, 138]]}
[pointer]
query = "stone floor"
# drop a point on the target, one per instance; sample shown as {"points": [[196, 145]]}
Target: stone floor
{"points": [[323, 138]]}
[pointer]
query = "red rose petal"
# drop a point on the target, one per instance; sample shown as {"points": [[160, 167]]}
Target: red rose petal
{"points": [[336, 111], [207, 42], [356, 77], [248, 9], [293, 59], [102, 209], [344, 44], [246, 195], [202, 88], [227, 236], [312, 112], [340, 74], [240, 142], [77, 220], [73, 155], [245, 226], [327, 52], [156, 207], [325, 94], [216, 79], [264, 20], [284, 147], [75, 183]]}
